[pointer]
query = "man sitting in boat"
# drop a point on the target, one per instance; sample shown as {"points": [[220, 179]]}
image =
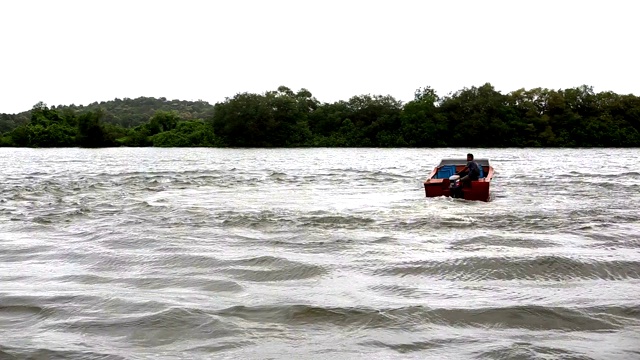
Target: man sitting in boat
{"points": [[470, 173]]}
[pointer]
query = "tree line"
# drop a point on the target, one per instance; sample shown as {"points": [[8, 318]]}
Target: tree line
{"points": [[471, 117]]}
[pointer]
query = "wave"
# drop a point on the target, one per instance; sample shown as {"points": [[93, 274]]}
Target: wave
{"points": [[273, 269], [333, 221], [255, 269], [299, 272], [268, 218], [161, 328], [157, 282], [408, 347], [198, 261], [573, 174], [478, 348], [526, 351], [20, 309], [317, 243], [36, 309], [221, 347], [22, 315], [551, 268], [8, 352], [406, 318], [484, 241], [252, 220], [20, 254]]}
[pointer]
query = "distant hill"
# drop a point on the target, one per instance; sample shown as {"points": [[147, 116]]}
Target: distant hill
{"points": [[124, 112]]}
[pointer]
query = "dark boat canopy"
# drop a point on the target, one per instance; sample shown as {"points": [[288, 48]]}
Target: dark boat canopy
{"points": [[463, 162]]}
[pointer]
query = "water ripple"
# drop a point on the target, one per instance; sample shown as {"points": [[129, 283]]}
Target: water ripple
{"points": [[316, 253], [555, 268]]}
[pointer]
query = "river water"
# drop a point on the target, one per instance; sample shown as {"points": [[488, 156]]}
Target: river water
{"points": [[316, 254]]}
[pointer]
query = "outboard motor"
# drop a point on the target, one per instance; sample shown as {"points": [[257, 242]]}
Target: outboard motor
{"points": [[455, 187]]}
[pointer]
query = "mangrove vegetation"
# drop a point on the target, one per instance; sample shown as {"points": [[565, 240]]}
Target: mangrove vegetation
{"points": [[471, 117]]}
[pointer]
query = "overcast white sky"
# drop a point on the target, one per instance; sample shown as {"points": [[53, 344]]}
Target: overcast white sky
{"points": [[64, 52]]}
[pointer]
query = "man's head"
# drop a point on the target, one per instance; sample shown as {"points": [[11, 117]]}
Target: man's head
{"points": [[469, 157]]}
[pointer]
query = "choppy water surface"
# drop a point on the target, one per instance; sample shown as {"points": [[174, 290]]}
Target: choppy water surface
{"points": [[316, 254]]}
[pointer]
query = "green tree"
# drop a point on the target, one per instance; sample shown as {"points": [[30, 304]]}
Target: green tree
{"points": [[91, 132], [275, 118]]}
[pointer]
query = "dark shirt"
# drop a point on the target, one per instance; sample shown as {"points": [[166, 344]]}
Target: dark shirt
{"points": [[474, 171]]}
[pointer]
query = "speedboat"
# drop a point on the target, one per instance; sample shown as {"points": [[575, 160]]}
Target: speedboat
{"points": [[443, 180]]}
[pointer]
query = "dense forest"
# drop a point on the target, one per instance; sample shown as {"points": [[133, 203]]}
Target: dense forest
{"points": [[471, 117]]}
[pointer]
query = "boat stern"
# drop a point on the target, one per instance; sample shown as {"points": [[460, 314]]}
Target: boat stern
{"points": [[438, 183]]}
